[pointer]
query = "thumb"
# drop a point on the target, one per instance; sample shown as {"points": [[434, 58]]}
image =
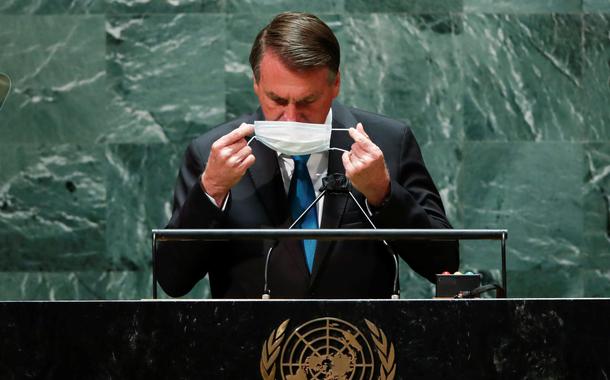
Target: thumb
{"points": [[360, 129]]}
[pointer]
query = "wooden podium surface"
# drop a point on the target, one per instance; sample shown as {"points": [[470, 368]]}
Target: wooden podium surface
{"points": [[354, 339]]}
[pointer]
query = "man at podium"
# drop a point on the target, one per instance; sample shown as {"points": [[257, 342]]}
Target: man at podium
{"points": [[262, 170]]}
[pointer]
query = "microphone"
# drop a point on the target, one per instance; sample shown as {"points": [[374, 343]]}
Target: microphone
{"points": [[396, 285], [335, 184], [5, 87], [266, 290]]}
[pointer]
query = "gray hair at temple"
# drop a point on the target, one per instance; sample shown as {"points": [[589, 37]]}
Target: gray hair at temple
{"points": [[301, 40]]}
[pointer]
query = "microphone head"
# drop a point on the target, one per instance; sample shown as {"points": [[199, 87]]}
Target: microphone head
{"points": [[5, 87], [335, 183]]}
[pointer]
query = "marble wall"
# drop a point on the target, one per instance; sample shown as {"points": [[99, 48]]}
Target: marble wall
{"points": [[509, 99]]}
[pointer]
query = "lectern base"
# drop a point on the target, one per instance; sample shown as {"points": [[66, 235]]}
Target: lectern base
{"points": [[483, 339]]}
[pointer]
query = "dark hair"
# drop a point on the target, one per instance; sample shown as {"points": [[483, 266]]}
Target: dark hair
{"points": [[301, 40]]}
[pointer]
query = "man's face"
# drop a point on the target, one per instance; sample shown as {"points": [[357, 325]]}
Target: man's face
{"points": [[289, 95]]}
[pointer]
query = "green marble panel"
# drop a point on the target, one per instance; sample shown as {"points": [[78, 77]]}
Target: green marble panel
{"points": [[443, 160], [406, 67], [596, 5], [272, 7], [163, 6], [596, 205], [241, 31], [597, 283], [542, 283], [58, 71], [85, 285], [166, 76], [596, 77], [412, 285], [410, 6], [522, 6], [52, 6], [523, 77], [565, 282], [52, 208], [140, 184], [532, 189]]}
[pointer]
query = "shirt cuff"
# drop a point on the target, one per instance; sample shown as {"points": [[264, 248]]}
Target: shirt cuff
{"points": [[224, 203], [371, 208]]}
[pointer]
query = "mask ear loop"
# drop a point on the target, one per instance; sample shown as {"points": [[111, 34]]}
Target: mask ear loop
{"points": [[249, 141]]}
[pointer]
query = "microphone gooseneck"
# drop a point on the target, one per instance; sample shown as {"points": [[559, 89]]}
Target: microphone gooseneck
{"points": [[266, 290], [396, 286], [335, 184]]}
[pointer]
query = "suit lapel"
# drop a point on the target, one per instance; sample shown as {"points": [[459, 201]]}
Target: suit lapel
{"points": [[267, 179], [334, 205]]}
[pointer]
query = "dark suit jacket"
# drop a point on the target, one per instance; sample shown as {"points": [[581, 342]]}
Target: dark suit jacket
{"points": [[342, 269]]}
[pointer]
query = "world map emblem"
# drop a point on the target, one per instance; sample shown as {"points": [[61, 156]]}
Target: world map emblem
{"points": [[328, 349]]}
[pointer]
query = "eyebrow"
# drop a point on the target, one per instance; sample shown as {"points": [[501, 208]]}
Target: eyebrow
{"points": [[308, 98]]}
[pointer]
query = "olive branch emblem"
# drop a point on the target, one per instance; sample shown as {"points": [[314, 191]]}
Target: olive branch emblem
{"points": [[273, 345], [271, 350], [386, 353]]}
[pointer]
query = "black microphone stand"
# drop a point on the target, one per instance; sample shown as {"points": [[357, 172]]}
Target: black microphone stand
{"points": [[335, 184]]}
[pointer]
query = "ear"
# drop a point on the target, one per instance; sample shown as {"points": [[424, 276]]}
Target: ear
{"points": [[255, 86], [337, 85]]}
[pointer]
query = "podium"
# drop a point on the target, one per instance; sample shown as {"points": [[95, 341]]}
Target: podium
{"points": [[256, 339], [332, 234]]}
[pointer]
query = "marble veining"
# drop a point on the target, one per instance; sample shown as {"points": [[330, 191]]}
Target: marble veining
{"points": [[508, 100]]}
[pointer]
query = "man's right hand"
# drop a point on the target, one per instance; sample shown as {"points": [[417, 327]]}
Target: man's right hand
{"points": [[229, 159]]}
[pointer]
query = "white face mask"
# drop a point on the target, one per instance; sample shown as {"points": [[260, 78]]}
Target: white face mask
{"points": [[293, 138]]}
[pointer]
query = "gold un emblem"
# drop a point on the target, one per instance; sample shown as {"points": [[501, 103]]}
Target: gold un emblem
{"points": [[327, 349]]}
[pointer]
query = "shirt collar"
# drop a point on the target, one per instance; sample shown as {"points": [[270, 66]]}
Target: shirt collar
{"points": [[329, 117]]}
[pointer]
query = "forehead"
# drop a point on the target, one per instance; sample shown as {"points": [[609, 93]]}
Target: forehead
{"points": [[282, 80]]}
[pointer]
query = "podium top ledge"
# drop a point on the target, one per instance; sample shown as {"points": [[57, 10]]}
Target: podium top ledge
{"points": [[329, 234]]}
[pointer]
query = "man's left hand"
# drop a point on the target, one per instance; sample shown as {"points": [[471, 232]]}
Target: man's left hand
{"points": [[365, 167]]}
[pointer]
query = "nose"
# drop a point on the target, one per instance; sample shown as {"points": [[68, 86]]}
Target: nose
{"points": [[290, 112]]}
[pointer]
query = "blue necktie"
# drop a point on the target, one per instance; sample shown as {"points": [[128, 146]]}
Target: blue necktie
{"points": [[300, 196]]}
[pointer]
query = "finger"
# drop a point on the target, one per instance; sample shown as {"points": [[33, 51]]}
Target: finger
{"points": [[355, 135], [360, 129], [240, 156], [235, 135], [360, 153], [360, 138], [357, 163], [347, 164], [246, 162], [237, 146], [225, 154]]}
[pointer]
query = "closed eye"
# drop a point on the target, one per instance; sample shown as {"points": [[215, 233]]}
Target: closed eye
{"points": [[277, 99], [305, 102]]}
